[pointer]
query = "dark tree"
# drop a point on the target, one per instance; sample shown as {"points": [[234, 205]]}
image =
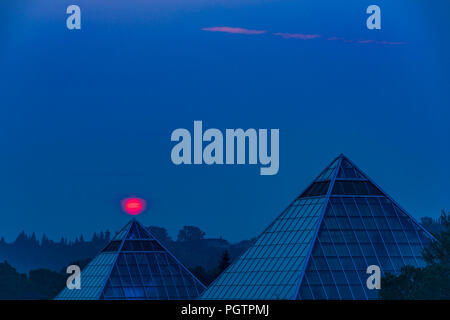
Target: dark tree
{"points": [[12, 283], [225, 261], [430, 282], [160, 233], [46, 283], [40, 284], [190, 233], [205, 277], [431, 225], [107, 235]]}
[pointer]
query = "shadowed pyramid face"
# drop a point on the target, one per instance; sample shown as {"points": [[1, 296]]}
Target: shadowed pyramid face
{"points": [[134, 265], [321, 245]]}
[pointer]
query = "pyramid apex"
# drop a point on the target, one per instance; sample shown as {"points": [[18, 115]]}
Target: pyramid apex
{"points": [[134, 250]]}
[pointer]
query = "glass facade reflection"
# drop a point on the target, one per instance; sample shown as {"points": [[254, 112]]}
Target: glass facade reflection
{"points": [[357, 232], [135, 266], [321, 245]]}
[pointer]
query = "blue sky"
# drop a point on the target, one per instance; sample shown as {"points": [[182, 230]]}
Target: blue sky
{"points": [[86, 116]]}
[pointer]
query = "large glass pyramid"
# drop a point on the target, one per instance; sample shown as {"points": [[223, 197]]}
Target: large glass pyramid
{"points": [[134, 266], [321, 245]]}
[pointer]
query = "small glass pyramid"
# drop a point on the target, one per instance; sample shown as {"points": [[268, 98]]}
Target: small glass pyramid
{"points": [[321, 245], [135, 266]]}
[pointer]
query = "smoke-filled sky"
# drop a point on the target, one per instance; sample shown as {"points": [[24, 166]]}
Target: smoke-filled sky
{"points": [[86, 116]]}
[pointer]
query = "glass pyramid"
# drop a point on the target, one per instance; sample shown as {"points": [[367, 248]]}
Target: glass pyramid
{"points": [[134, 266], [321, 245]]}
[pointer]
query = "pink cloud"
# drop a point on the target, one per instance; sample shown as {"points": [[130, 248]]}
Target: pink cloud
{"points": [[302, 36], [297, 36], [390, 43], [335, 38], [234, 30], [365, 41]]}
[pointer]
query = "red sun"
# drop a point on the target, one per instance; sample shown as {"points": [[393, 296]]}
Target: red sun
{"points": [[133, 206]]}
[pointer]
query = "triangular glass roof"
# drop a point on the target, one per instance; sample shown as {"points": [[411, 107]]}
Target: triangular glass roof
{"points": [[135, 266], [328, 172], [137, 232], [321, 245], [123, 232], [348, 171]]}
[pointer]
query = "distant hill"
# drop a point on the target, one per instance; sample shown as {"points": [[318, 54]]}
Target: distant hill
{"points": [[28, 253], [191, 248]]}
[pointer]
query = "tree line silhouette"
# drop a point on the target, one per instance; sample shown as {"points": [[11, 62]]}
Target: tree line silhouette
{"points": [[35, 269]]}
